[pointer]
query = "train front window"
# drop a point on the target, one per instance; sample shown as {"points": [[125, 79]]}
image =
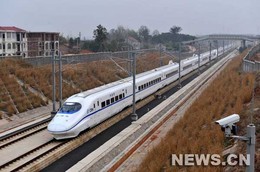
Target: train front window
{"points": [[70, 107]]}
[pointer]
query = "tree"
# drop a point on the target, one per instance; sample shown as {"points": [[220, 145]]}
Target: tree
{"points": [[62, 39], [156, 33], [100, 35], [118, 38], [71, 42], [175, 30], [144, 33]]}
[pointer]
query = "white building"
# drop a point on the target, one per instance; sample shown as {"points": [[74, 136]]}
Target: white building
{"points": [[13, 42], [136, 45]]}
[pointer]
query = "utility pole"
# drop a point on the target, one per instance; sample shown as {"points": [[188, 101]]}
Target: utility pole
{"points": [[223, 47], [129, 60], [134, 116], [161, 55], [60, 78], [180, 65], [53, 85], [78, 42], [250, 140], [199, 61], [250, 149], [209, 53], [217, 49]]}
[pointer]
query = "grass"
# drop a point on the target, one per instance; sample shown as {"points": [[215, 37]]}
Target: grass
{"points": [[76, 78], [196, 131]]}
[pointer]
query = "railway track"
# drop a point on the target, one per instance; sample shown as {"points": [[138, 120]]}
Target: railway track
{"points": [[45, 151], [138, 133], [22, 135], [49, 150]]}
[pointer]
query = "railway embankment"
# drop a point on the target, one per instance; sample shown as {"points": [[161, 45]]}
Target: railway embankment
{"points": [[119, 146], [196, 132], [24, 87]]}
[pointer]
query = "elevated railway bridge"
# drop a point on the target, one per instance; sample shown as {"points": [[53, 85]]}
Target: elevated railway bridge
{"points": [[233, 37]]}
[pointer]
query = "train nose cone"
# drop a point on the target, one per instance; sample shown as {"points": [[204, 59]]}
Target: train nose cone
{"points": [[56, 127]]}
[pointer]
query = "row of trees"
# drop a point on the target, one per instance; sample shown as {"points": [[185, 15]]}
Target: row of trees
{"points": [[116, 39]]}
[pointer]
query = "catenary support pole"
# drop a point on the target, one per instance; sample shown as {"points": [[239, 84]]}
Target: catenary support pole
{"points": [[161, 62], [134, 116], [60, 78], [223, 47], [199, 60], [179, 65], [53, 85], [217, 49], [129, 63], [210, 53]]}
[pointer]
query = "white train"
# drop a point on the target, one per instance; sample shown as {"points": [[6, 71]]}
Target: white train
{"points": [[87, 109]]}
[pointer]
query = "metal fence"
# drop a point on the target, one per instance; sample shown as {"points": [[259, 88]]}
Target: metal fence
{"points": [[250, 65], [78, 58]]}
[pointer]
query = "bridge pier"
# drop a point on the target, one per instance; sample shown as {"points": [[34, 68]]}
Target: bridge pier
{"points": [[243, 44]]}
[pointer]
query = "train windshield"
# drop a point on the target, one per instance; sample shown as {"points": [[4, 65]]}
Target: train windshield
{"points": [[70, 107]]}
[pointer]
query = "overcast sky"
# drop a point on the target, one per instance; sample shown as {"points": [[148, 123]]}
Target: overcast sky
{"points": [[196, 17]]}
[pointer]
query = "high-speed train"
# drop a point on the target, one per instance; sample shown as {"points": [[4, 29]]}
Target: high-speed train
{"points": [[87, 109]]}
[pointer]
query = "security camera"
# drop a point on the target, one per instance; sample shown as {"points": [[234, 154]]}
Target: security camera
{"points": [[228, 120], [228, 124]]}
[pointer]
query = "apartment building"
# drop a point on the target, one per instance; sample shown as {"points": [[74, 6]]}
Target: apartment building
{"points": [[13, 41], [42, 43]]}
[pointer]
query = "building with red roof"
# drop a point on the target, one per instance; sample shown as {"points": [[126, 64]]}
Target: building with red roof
{"points": [[13, 41]]}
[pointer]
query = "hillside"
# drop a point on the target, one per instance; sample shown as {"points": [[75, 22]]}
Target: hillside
{"points": [[24, 87]]}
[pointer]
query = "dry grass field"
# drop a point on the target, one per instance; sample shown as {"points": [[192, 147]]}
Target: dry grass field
{"points": [[16, 97], [196, 132]]}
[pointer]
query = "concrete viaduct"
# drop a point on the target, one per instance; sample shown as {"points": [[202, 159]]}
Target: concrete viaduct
{"points": [[242, 38]]}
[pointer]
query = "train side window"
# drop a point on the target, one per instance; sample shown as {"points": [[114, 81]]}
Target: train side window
{"points": [[142, 87], [98, 103], [120, 96], [123, 94], [103, 104], [112, 100], [116, 98], [94, 105], [108, 102], [139, 88]]}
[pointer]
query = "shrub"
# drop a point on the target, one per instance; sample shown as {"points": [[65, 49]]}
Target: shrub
{"points": [[195, 132]]}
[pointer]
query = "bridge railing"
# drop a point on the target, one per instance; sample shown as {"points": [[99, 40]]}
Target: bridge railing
{"points": [[250, 65]]}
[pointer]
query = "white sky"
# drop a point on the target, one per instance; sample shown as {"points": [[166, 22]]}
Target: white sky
{"points": [[196, 17]]}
